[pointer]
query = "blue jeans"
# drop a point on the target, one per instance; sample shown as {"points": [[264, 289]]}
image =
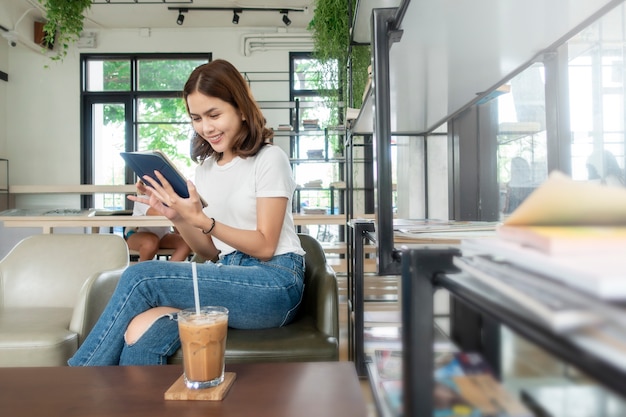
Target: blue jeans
{"points": [[257, 294]]}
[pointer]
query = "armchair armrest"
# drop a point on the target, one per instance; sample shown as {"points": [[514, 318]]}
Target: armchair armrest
{"points": [[327, 301], [320, 298], [92, 299]]}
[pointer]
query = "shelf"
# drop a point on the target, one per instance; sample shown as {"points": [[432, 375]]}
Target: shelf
{"points": [[290, 104], [318, 160], [364, 123], [436, 271]]}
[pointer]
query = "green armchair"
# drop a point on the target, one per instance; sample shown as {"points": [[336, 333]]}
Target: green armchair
{"points": [[45, 287], [312, 336]]}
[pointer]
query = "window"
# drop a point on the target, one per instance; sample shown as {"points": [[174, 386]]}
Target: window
{"points": [[316, 145], [315, 121], [596, 73], [132, 102]]}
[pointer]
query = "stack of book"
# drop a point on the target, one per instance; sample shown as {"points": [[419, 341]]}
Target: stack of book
{"points": [[315, 154], [561, 254], [310, 124], [313, 184]]}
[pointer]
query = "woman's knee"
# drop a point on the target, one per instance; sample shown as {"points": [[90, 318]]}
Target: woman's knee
{"points": [[142, 322]]}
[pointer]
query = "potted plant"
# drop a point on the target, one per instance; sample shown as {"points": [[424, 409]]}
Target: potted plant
{"points": [[64, 23]]}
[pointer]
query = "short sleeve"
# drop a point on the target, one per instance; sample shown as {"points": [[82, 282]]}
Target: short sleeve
{"points": [[273, 173]]}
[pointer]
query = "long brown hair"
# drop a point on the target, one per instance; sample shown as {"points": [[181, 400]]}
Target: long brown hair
{"points": [[220, 79]]}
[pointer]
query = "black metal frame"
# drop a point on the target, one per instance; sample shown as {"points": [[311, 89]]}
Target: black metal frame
{"points": [[361, 232]]}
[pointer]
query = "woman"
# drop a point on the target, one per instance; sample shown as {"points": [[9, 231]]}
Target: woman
{"points": [[247, 230]]}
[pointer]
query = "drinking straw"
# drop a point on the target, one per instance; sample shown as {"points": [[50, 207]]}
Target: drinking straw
{"points": [[196, 296]]}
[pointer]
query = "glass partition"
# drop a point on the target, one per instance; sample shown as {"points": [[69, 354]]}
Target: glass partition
{"points": [[596, 74], [521, 137]]}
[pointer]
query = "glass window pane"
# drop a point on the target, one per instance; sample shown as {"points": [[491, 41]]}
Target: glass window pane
{"points": [[596, 100], [522, 150], [310, 74], [108, 75], [172, 139], [317, 108], [165, 74], [162, 110], [163, 124], [109, 140]]}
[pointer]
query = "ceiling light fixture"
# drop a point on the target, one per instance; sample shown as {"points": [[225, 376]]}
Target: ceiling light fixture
{"points": [[237, 12], [236, 16], [286, 19], [181, 17]]}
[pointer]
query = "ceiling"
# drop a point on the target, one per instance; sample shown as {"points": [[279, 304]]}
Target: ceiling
{"points": [[116, 14]]}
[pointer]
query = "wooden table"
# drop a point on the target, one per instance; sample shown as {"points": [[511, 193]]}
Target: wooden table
{"points": [[48, 223], [273, 389]]}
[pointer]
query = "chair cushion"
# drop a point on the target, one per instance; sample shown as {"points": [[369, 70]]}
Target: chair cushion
{"points": [[36, 336], [298, 342]]}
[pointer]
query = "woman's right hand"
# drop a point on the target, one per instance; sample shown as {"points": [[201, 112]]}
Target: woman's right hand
{"points": [[167, 202]]}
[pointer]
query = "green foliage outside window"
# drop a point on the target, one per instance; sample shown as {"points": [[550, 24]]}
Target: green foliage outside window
{"points": [[162, 122]]}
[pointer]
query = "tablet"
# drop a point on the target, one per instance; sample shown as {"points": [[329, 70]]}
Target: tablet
{"points": [[146, 162]]}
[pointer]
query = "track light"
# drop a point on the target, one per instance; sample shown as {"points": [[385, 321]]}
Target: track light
{"points": [[237, 11], [286, 19], [181, 17], [236, 16]]}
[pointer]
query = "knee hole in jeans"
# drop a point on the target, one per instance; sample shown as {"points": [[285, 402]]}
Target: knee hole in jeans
{"points": [[140, 324]]}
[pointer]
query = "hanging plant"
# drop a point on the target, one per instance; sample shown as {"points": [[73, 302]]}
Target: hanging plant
{"points": [[64, 23], [330, 28]]}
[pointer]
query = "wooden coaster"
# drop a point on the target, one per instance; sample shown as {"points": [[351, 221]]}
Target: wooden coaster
{"points": [[179, 391]]}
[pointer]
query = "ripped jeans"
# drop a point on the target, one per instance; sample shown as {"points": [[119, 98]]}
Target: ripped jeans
{"points": [[258, 294]]}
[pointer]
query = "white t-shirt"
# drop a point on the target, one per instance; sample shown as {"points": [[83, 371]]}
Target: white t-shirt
{"points": [[231, 192]]}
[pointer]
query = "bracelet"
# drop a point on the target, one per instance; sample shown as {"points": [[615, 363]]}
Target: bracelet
{"points": [[206, 232]]}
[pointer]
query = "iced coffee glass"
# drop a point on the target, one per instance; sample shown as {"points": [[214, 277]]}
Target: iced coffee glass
{"points": [[203, 339]]}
